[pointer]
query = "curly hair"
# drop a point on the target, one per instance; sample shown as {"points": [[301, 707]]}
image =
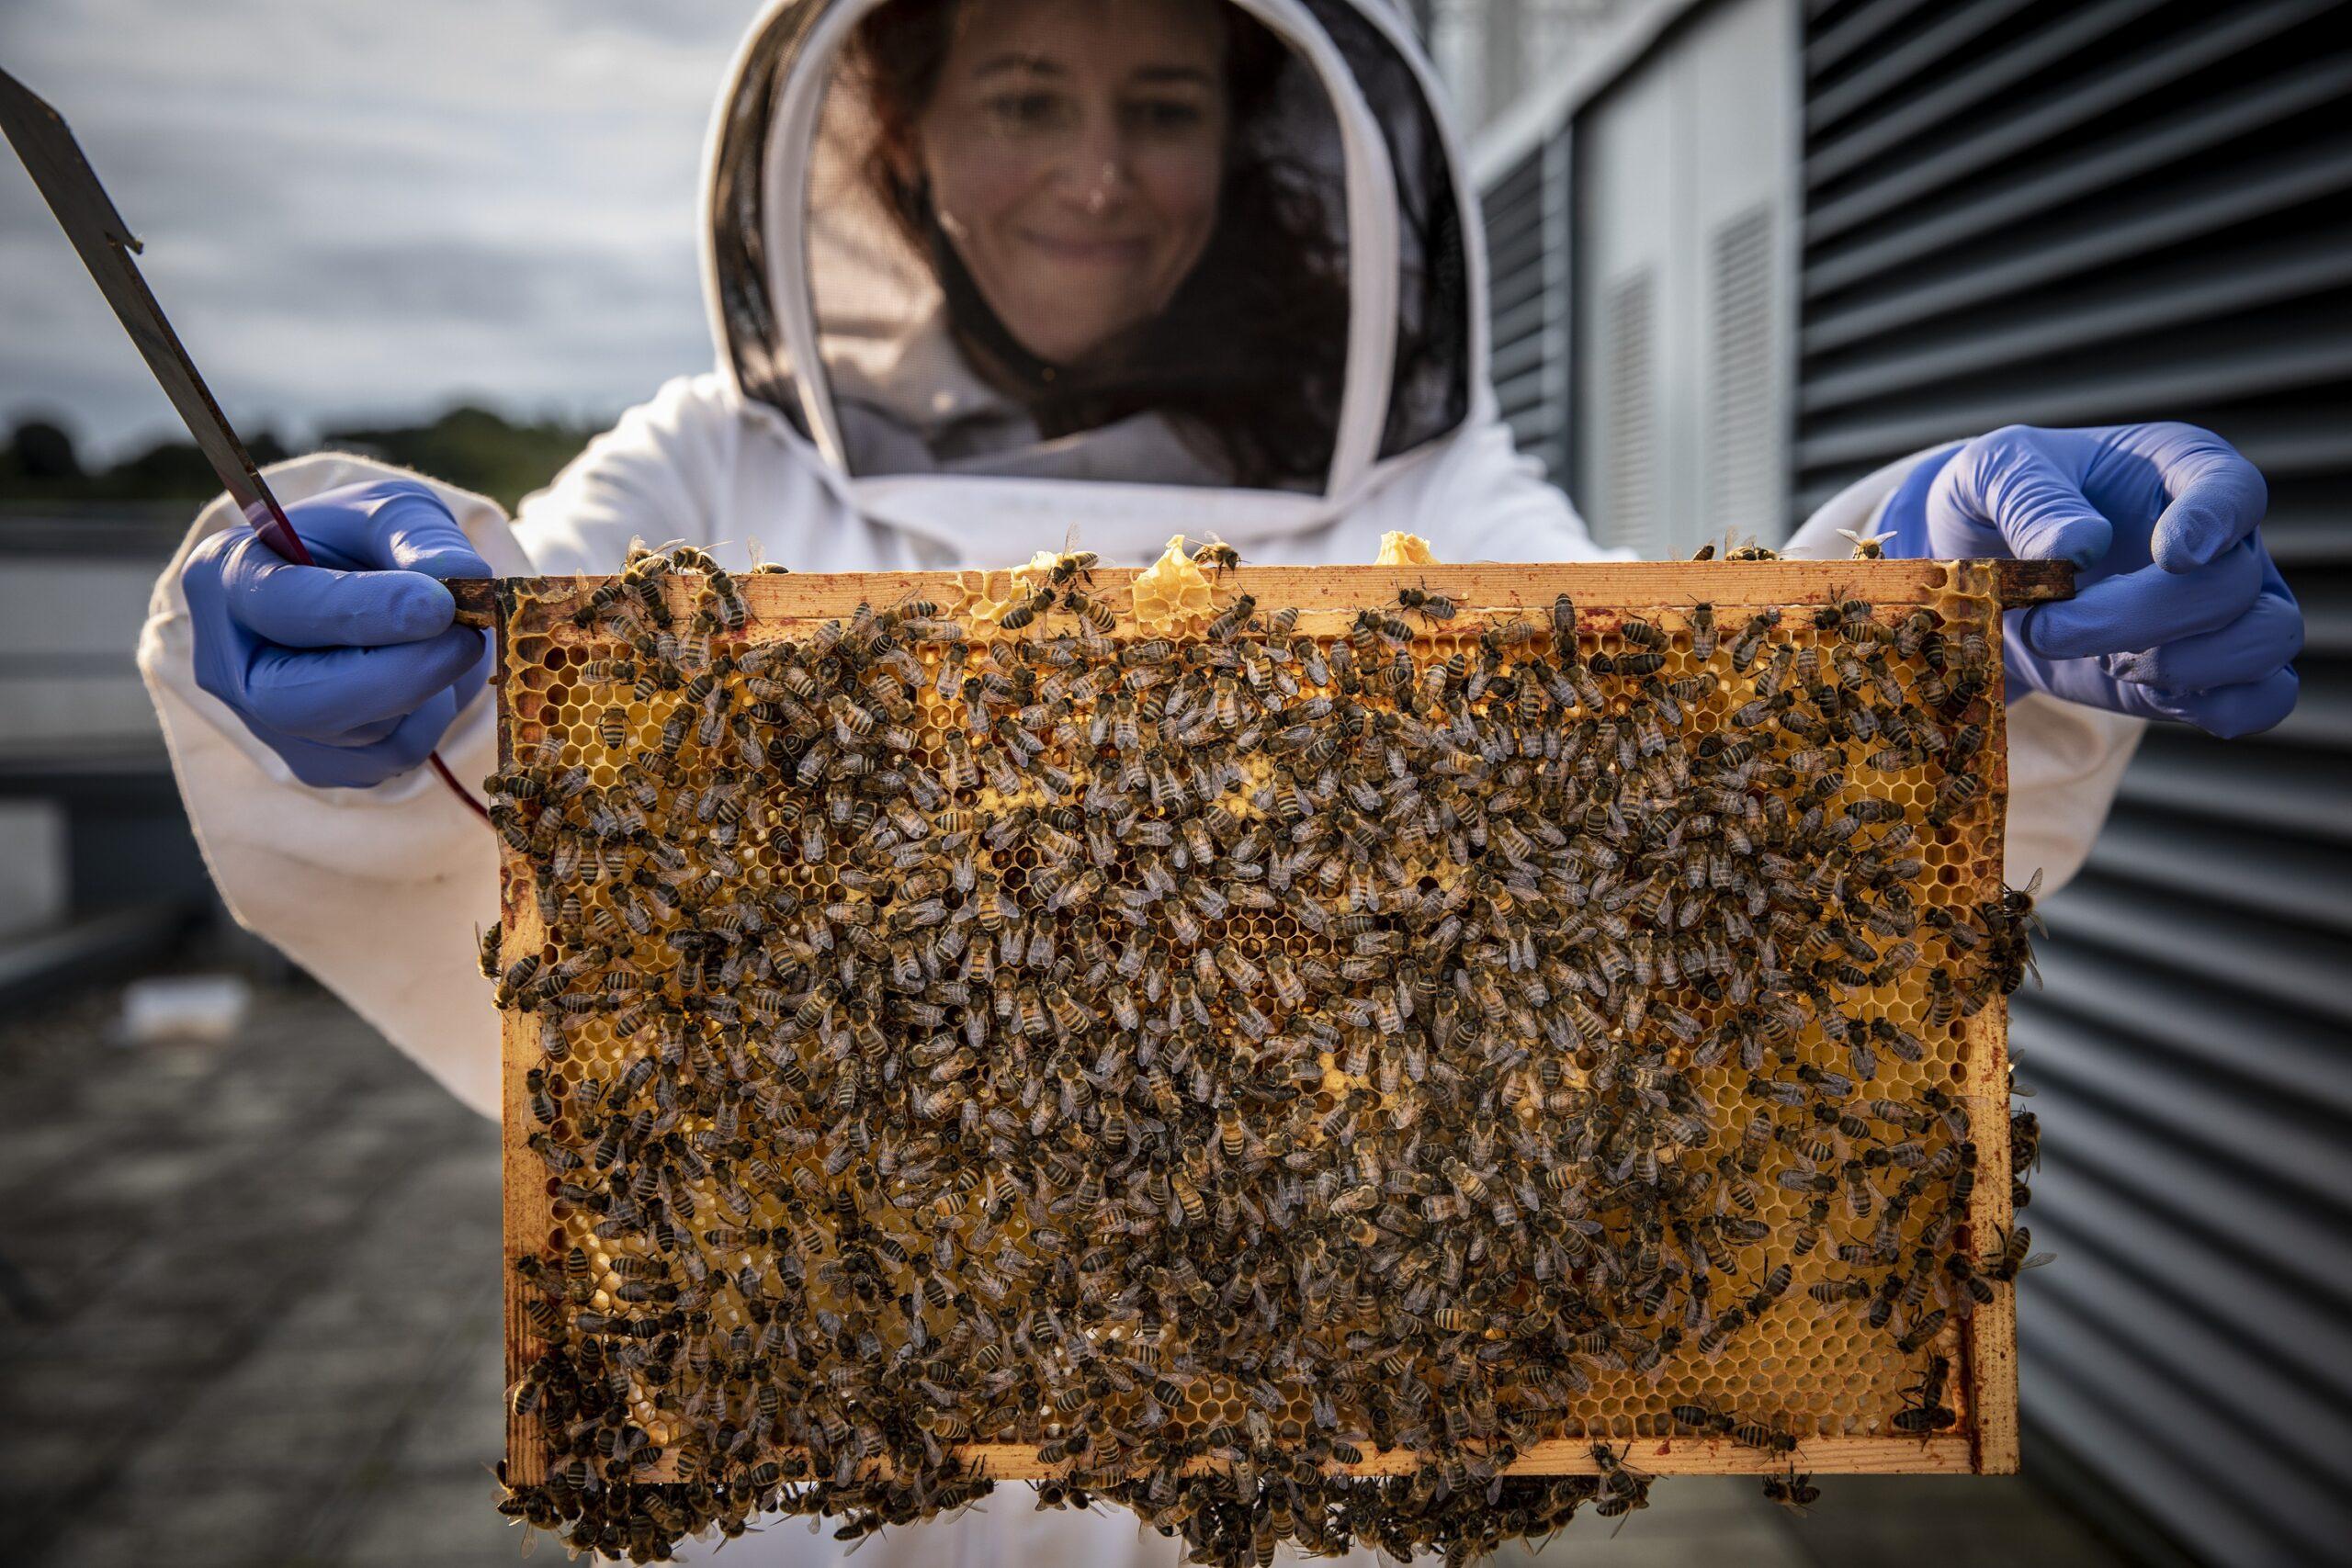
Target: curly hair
{"points": [[1249, 359]]}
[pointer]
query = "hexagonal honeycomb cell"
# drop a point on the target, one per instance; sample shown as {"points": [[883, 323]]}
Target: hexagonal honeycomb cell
{"points": [[1472, 1027]]}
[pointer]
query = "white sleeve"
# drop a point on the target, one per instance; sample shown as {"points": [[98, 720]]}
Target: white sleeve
{"points": [[2066, 760], [378, 892], [1482, 499]]}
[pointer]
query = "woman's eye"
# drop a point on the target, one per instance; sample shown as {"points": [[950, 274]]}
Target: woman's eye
{"points": [[1026, 111], [1167, 115]]}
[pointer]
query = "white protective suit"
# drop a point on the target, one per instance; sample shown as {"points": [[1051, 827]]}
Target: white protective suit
{"points": [[853, 466]]}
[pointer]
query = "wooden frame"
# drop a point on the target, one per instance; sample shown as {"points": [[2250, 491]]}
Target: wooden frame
{"points": [[1983, 1345]]}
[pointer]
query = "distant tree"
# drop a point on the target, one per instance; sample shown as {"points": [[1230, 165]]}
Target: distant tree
{"points": [[467, 445], [472, 446], [174, 469], [41, 453]]}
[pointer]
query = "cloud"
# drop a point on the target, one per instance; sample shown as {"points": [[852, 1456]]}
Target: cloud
{"points": [[368, 208]]}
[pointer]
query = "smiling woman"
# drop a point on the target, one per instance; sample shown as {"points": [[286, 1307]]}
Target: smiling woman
{"points": [[1119, 209], [1074, 154]]}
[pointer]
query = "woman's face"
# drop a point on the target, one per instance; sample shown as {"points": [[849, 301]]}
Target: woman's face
{"points": [[1075, 149]]}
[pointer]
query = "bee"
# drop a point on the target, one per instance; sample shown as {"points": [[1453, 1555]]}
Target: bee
{"points": [[1754, 1434], [1432, 607], [1924, 1410], [607, 593], [517, 974], [1217, 556], [2016, 1255], [1072, 567], [1099, 617], [487, 940], [1943, 1000], [733, 613], [1794, 1491], [558, 1157], [1024, 613], [1928, 1326], [1703, 632], [1749, 643]]}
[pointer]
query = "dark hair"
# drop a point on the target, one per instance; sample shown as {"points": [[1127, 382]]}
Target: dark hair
{"points": [[1250, 356]]}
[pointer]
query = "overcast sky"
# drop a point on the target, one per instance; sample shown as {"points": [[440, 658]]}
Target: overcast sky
{"points": [[367, 208]]}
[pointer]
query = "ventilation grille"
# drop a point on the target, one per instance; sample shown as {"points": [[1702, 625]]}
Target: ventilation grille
{"points": [[2084, 212], [1629, 417], [1743, 450], [1525, 307]]}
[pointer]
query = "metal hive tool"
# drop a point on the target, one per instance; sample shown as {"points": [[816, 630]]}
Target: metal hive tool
{"points": [[900, 1196]]}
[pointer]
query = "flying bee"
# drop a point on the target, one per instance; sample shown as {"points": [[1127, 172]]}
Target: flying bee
{"points": [[1217, 556]]}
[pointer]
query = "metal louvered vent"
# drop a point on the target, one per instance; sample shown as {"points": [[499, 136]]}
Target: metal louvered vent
{"points": [[1527, 306], [2090, 211], [1743, 452], [1629, 499]]}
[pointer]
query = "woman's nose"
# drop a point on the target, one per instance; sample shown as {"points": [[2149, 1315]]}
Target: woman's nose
{"points": [[1096, 171]]}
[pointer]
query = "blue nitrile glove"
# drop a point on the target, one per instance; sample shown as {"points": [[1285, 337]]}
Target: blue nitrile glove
{"points": [[350, 669], [2179, 611]]}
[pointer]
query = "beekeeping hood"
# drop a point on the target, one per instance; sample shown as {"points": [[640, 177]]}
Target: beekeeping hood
{"points": [[865, 337]]}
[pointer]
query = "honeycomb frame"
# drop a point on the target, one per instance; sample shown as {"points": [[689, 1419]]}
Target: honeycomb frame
{"points": [[532, 617]]}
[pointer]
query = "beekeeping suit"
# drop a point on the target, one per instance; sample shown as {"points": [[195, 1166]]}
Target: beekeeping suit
{"points": [[843, 429]]}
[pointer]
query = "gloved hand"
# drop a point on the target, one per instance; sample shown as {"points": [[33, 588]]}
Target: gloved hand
{"points": [[2179, 611], [349, 669]]}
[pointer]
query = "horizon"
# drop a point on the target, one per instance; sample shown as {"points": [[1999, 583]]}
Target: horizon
{"points": [[423, 205]]}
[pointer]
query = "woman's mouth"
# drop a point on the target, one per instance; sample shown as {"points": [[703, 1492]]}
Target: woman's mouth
{"points": [[1088, 252]]}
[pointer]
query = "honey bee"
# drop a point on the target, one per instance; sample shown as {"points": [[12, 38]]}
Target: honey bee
{"points": [[1794, 1491], [1640, 633], [609, 593], [2016, 1255], [1432, 607], [1924, 1410], [1749, 643], [1072, 567], [1232, 619], [1019, 616], [1218, 557], [733, 613]]}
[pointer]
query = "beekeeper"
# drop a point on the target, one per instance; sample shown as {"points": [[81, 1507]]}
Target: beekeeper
{"points": [[987, 274]]}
